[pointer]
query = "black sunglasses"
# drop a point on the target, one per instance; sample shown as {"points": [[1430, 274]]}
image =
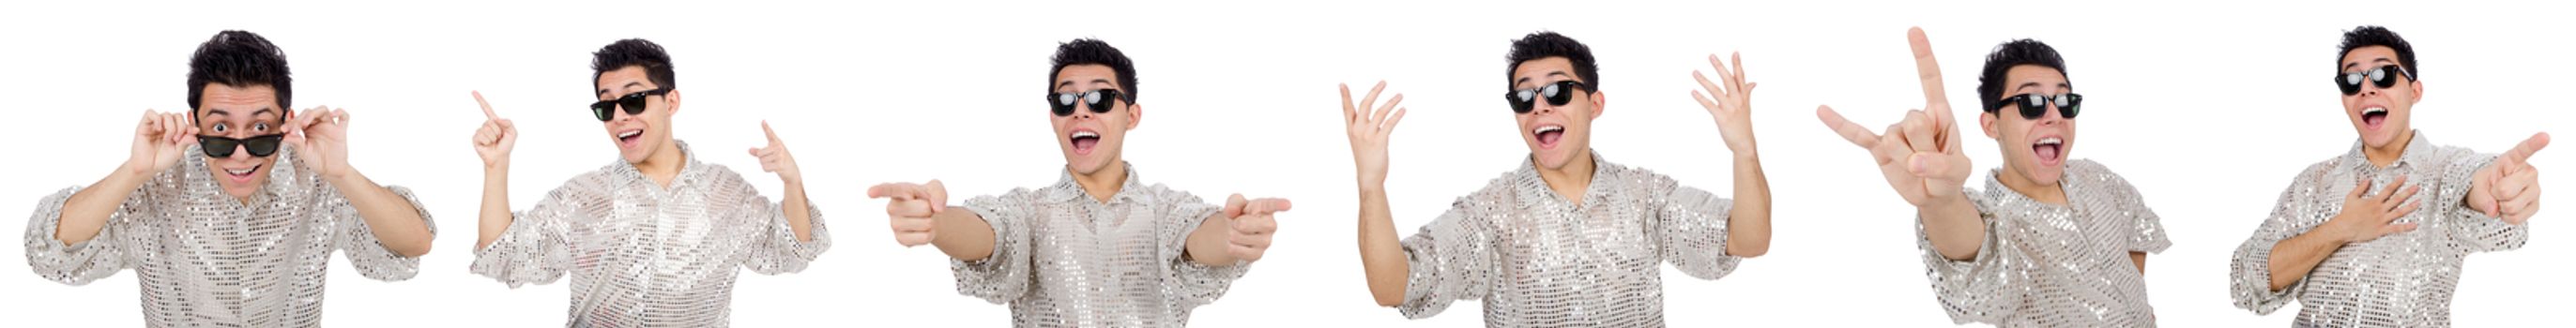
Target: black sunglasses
{"points": [[2351, 82], [1100, 100], [2035, 105], [1524, 100], [260, 146], [633, 102]]}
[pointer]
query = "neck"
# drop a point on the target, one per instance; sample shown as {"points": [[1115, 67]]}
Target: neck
{"points": [[2051, 193], [2387, 154], [663, 165], [1572, 180], [1103, 183]]}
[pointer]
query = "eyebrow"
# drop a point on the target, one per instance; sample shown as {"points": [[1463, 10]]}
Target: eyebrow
{"points": [[1549, 73], [2372, 60], [604, 91], [1067, 83], [2026, 85], [215, 111]]}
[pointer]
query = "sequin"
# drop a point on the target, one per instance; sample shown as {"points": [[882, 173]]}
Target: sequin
{"points": [[206, 259], [2399, 280], [1063, 259], [1536, 259], [2047, 265], [641, 255]]}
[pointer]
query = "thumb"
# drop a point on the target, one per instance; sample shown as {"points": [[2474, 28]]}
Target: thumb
{"points": [[938, 196], [1233, 206]]}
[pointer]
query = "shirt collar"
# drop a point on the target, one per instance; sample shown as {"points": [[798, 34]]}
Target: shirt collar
{"points": [[1066, 190], [688, 167], [1533, 190], [2418, 149]]}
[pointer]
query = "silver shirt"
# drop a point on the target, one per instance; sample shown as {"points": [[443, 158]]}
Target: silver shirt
{"points": [[641, 255], [2046, 265], [206, 259], [1062, 259], [1536, 259], [2398, 280]]}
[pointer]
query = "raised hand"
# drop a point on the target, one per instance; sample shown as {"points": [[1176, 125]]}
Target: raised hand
{"points": [[2366, 217], [1253, 225], [321, 138], [1730, 100], [1369, 125], [495, 139], [909, 209], [159, 139], [775, 159], [1920, 156], [2509, 188]]}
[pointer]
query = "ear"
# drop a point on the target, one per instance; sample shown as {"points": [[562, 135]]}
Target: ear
{"points": [[673, 98], [1600, 103], [2418, 87], [1987, 120], [1135, 115]]}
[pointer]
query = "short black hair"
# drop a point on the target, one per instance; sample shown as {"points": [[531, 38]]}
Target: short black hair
{"points": [[1544, 44], [240, 59], [637, 53], [1991, 84], [1089, 51], [2373, 35]]}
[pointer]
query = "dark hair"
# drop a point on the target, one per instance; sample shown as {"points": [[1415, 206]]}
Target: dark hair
{"points": [[1088, 51], [1544, 44], [1991, 84], [2372, 35], [637, 53], [239, 59]]}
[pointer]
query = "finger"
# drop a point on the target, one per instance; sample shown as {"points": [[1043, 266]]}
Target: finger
{"points": [[2521, 153], [897, 191], [1391, 119], [1255, 224], [2360, 186], [911, 209], [1370, 101], [1918, 132], [1379, 114], [1930, 165], [2512, 186], [1704, 102], [1233, 206], [938, 196], [1736, 72], [764, 129], [2401, 197], [2396, 229], [1349, 114], [487, 106], [1858, 135], [1266, 206], [2391, 188], [2393, 215], [1928, 68]]}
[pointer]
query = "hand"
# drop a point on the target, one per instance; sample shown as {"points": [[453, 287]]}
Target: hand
{"points": [[1369, 129], [910, 209], [775, 159], [159, 140], [2367, 217], [321, 139], [2509, 188], [1920, 156], [498, 135], [1253, 225], [1730, 100]]}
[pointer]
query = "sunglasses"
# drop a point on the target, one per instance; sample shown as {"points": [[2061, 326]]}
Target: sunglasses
{"points": [[2351, 82], [1099, 100], [633, 102], [260, 146], [2035, 105], [1524, 100]]}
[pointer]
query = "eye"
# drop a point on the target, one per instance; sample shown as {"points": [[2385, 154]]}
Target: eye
{"points": [[221, 127], [263, 126]]}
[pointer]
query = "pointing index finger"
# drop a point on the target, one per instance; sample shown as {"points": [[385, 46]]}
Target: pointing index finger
{"points": [[487, 106]]}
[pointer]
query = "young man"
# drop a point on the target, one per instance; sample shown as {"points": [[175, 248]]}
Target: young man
{"points": [[1568, 239], [2347, 238], [238, 237], [1099, 248], [2052, 242], [655, 238]]}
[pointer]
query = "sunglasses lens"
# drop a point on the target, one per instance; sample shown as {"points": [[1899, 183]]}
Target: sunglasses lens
{"points": [[1102, 100], [262, 146], [216, 146], [1521, 100], [600, 110], [2033, 110], [2067, 104]]}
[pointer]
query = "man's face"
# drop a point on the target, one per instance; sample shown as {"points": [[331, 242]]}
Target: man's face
{"points": [[638, 136], [1555, 134], [241, 113], [2380, 115], [2037, 148], [1091, 141]]}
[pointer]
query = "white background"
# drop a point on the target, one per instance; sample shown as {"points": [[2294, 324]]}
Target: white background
{"points": [[2207, 107]]}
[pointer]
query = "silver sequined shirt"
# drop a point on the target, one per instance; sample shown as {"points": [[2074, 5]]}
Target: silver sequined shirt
{"points": [[1536, 259], [1063, 259], [2049, 265], [641, 255], [2399, 280], [205, 259]]}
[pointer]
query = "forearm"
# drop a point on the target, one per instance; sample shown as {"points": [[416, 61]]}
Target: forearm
{"points": [[2139, 258], [1381, 254], [963, 234], [87, 211], [2293, 258], [1954, 227], [494, 217], [1207, 244], [395, 222], [795, 208], [1748, 224]]}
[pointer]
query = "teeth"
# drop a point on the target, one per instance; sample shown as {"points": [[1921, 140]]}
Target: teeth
{"points": [[2374, 110], [1546, 129], [1086, 134], [2051, 141], [629, 134], [239, 171]]}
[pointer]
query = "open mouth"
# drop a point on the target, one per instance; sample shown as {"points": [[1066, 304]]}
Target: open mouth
{"points": [[1548, 135], [241, 175], [2050, 150], [1083, 141], [629, 138], [2374, 116]]}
